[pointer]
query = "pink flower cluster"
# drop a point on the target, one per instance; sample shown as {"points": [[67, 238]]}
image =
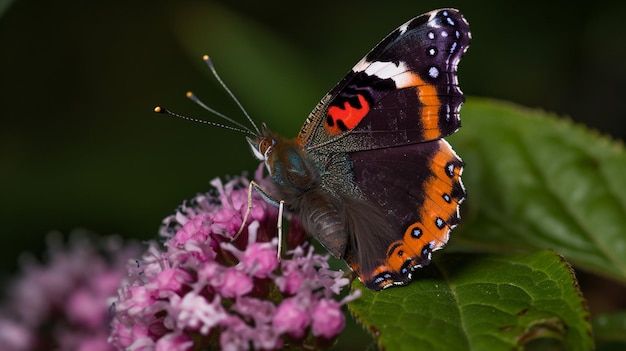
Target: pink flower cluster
{"points": [[202, 289], [63, 303]]}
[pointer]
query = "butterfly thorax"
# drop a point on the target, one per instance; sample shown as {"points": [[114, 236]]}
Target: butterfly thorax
{"points": [[291, 169]]}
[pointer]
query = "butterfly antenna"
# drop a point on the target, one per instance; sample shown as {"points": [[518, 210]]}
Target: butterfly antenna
{"points": [[165, 111], [191, 96], [209, 64]]}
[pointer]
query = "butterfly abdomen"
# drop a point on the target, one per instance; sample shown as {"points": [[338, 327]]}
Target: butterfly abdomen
{"points": [[321, 218]]}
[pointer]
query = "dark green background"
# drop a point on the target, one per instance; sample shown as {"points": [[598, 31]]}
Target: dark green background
{"points": [[81, 147]]}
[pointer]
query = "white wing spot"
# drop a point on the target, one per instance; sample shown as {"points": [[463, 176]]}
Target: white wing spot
{"points": [[382, 69], [453, 47], [433, 72], [361, 65], [400, 73]]}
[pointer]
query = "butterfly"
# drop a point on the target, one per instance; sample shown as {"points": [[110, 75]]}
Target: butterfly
{"points": [[370, 176]]}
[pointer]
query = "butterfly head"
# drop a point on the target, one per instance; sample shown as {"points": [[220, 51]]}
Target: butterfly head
{"points": [[262, 146]]}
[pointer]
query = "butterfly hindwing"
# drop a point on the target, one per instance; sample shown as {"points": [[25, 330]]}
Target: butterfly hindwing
{"points": [[420, 193]]}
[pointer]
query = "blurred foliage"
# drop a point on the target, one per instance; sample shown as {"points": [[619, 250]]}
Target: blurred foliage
{"points": [[541, 182]]}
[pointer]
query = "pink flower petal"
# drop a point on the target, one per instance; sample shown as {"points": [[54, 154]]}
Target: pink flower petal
{"points": [[291, 318], [328, 319]]}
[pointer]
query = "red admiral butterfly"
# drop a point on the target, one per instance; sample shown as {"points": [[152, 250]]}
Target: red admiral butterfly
{"points": [[369, 174]]}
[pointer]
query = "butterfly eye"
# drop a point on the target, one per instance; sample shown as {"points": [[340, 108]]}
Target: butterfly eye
{"points": [[265, 146]]}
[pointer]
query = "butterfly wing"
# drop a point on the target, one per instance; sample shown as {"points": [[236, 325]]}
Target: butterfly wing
{"points": [[377, 139], [403, 91]]}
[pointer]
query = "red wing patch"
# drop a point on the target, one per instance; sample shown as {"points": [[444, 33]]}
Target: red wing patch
{"points": [[342, 119]]}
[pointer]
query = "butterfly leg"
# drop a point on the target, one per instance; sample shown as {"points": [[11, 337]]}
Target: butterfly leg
{"points": [[248, 209], [279, 227], [272, 201]]}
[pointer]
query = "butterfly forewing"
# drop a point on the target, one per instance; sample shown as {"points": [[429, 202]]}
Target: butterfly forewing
{"points": [[404, 91]]}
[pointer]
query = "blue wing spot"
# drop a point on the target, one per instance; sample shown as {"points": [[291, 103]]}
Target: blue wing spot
{"points": [[450, 169], [416, 233], [440, 223], [426, 250]]}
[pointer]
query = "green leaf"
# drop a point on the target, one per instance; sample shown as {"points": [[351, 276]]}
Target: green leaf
{"points": [[536, 182], [480, 302]]}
